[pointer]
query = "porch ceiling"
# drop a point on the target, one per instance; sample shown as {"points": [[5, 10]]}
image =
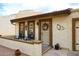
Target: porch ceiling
{"points": [[66, 11]]}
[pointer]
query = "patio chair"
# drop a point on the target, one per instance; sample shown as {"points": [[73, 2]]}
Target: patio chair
{"points": [[30, 37]]}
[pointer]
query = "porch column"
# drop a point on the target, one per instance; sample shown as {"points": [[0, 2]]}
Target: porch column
{"points": [[26, 28], [36, 30], [17, 29]]}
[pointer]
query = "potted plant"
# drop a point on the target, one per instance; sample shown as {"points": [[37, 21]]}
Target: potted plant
{"points": [[57, 46], [17, 52]]}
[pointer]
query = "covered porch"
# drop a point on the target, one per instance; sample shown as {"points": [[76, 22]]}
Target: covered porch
{"points": [[35, 30]]}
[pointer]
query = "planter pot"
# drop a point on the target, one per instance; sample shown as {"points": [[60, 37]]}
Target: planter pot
{"points": [[57, 46], [17, 52]]}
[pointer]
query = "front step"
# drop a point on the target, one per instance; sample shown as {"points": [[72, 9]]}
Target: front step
{"points": [[49, 48]]}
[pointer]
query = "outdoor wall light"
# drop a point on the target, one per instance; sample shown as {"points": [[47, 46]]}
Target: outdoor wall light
{"points": [[38, 23], [13, 23]]}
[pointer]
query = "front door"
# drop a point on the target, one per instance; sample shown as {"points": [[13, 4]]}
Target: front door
{"points": [[46, 32], [21, 30], [77, 35]]}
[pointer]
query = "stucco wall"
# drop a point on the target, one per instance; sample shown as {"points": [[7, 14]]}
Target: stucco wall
{"points": [[36, 30], [17, 29], [6, 28], [62, 36], [26, 29]]}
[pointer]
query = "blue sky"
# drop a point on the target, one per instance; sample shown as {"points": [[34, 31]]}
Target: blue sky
{"points": [[8, 7]]}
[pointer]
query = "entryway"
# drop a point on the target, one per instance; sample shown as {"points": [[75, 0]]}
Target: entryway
{"points": [[75, 34], [45, 33]]}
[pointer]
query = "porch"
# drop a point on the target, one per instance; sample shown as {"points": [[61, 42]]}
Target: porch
{"points": [[35, 30], [43, 47], [10, 52], [33, 48]]}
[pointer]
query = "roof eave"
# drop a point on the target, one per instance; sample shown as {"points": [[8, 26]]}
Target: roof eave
{"points": [[66, 11]]}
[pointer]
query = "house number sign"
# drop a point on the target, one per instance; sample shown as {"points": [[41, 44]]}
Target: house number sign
{"points": [[60, 27]]}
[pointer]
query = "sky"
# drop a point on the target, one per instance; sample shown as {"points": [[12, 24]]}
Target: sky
{"points": [[8, 7]]}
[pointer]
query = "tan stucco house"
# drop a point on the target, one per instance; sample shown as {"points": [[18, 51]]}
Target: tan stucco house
{"points": [[55, 27], [37, 31]]}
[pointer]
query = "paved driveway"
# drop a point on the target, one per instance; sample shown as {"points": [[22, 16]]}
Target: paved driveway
{"points": [[4, 51]]}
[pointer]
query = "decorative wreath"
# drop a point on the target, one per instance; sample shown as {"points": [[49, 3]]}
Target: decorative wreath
{"points": [[45, 26]]}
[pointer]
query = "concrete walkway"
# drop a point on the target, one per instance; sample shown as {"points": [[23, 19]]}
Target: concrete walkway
{"points": [[4, 51], [53, 52]]}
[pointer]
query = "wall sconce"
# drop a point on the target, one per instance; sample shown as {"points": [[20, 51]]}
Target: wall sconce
{"points": [[38, 23], [13, 23]]}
